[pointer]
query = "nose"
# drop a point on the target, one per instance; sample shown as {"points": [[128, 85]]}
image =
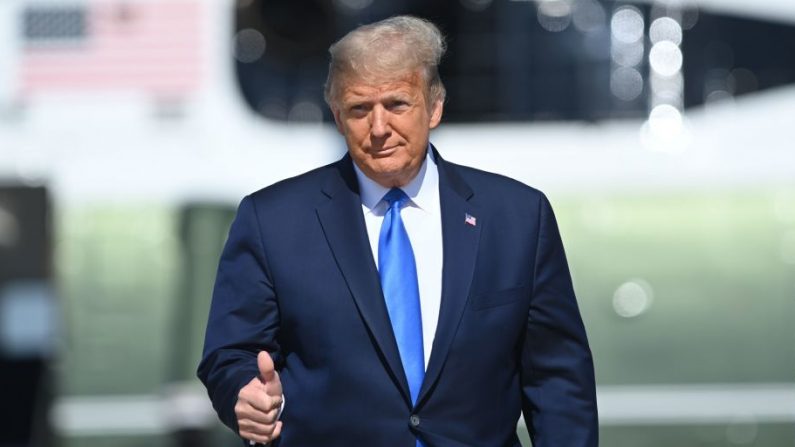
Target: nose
{"points": [[379, 126]]}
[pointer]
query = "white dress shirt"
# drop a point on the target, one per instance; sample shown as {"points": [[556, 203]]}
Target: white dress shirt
{"points": [[423, 221], [422, 218]]}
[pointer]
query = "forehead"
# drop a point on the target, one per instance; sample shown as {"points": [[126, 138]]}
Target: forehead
{"points": [[411, 83]]}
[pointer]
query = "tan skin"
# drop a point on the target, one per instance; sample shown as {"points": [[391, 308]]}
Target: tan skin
{"points": [[386, 126], [258, 404]]}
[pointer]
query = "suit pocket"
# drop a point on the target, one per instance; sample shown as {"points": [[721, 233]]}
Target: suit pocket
{"points": [[498, 298]]}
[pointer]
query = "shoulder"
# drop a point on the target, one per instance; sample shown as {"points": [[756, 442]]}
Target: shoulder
{"points": [[489, 188], [517, 207], [302, 190]]}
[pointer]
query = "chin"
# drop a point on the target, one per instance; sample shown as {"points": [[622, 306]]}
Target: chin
{"points": [[389, 168]]}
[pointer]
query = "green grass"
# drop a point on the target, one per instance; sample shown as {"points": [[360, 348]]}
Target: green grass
{"points": [[723, 304], [117, 271]]}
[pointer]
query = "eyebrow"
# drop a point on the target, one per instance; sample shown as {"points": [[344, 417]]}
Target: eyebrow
{"points": [[356, 97]]}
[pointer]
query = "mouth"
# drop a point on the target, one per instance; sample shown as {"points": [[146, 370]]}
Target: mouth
{"points": [[384, 151]]}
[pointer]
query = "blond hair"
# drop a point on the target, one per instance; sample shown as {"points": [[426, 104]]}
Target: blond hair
{"points": [[387, 50]]}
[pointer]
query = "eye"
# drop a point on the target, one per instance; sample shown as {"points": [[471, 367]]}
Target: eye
{"points": [[398, 105], [358, 110]]}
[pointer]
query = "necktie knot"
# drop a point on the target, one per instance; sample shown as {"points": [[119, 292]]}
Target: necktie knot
{"points": [[396, 196]]}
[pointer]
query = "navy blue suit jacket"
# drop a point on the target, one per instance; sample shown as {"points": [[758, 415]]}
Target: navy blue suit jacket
{"points": [[297, 279]]}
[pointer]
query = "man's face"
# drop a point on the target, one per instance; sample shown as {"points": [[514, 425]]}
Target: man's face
{"points": [[386, 126]]}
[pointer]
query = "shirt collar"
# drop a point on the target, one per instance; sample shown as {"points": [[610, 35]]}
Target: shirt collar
{"points": [[423, 189]]}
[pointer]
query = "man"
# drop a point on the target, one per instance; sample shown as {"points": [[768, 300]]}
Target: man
{"points": [[393, 298]]}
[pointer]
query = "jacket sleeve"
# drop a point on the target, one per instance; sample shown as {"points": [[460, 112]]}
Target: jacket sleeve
{"points": [[559, 391], [244, 315]]}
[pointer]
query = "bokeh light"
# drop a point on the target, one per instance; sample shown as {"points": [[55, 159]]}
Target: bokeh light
{"points": [[305, 112], [589, 16], [273, 109], [665, 130], [674, 83], [665, 120], [249, 45], [627, 24], [626, 55], [665, 58], [743, 80], [352, 5], [554, 15], [690, 17], [665, 29], [626, 83], [743, 430], [667, 90], [632, 298], [718, 79]]}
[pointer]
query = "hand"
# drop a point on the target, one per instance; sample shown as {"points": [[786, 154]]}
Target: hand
{"points": [[259, 402]]}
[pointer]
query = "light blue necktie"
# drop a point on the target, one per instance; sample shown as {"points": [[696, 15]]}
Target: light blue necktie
{"points": [[398, 272]]}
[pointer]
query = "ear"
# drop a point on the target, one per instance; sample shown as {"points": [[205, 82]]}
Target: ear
{"points": [[336, 112], [436, 113]]}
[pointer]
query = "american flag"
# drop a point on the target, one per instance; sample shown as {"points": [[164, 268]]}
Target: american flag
{"points": [[112, 45], [470, 219]]}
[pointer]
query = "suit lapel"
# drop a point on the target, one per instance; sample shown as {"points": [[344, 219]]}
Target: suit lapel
{"points": [[343, 225], [460, 247]]}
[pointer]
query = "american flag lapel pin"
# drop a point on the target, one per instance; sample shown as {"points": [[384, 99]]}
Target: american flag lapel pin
{"points": [[470, 219]]}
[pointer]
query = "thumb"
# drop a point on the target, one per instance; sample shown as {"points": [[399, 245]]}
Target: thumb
{"points": [[267, 371]]}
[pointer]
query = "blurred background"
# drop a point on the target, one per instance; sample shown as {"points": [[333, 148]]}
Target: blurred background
{"points": [[662, 132]]}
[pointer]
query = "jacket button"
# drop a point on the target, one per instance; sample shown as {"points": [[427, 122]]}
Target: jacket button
{"points": [[414, 420]]}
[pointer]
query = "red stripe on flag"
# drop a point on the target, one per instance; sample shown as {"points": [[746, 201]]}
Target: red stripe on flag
{"points": [[151, 46]]}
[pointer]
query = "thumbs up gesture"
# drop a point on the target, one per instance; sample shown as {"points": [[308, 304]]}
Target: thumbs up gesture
{"points": [[259, 402]]}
